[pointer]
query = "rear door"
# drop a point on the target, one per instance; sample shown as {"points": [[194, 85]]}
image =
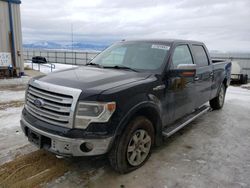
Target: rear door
{"points": [[204, 75]]}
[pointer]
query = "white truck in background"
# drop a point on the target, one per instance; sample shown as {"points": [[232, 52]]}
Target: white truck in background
{"points": [[238, 74]]}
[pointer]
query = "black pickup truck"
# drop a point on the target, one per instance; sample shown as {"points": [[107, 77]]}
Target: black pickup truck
{"points": [[124, 101]]}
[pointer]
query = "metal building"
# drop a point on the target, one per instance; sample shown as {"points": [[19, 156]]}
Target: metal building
{"points": [[11, 58]]}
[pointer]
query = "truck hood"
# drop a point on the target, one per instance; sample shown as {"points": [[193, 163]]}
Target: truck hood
{"points": [[92, 79]]}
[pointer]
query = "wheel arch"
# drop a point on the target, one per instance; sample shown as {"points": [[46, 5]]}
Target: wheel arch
{"points": [[225, 82], [148, 109]]}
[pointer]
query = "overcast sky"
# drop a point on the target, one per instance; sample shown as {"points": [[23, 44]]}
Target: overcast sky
{"points": [[222, 24]]}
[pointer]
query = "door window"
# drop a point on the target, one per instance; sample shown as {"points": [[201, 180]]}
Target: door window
{"points": [[182, 55], [200, 56]]}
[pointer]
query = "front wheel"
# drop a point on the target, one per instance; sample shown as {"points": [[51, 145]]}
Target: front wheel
{"points": [[132, 149], [218, 102]]}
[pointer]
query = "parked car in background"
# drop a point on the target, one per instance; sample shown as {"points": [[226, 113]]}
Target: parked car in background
{"points": [[124, 101], [39, 59]]}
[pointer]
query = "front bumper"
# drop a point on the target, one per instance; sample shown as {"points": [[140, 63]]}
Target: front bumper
{"points": [[67, 146]]}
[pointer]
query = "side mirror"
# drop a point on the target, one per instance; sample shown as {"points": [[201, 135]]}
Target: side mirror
{"points": [[184, 70]]}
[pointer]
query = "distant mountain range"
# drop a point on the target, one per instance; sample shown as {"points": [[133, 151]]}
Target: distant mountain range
{"points": [[55, 45]]}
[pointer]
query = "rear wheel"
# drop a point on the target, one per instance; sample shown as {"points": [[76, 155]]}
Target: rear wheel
{"points": [[218, 102], [132, 149], [245, 79]]}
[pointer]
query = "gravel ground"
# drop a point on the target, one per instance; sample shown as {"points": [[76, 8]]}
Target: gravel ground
{"points": [[212, 151]]}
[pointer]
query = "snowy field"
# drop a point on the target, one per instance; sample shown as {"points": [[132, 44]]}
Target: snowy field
{"points": [[14, 82], [6, 95], [46, 68]]}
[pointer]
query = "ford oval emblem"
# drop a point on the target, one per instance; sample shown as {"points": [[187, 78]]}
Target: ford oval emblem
{"points": [[39, 103]]}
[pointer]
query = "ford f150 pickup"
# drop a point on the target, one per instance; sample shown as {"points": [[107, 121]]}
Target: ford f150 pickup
{"points": [[124, 101]]}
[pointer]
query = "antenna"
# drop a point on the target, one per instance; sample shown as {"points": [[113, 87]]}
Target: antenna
{"points": [[72, 39]]}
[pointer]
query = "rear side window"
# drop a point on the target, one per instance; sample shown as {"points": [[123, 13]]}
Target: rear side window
{"points": [[200, 56], [182, 55]]}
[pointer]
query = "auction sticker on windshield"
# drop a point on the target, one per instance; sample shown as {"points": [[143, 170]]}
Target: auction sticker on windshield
{"points": [[159, 46]]}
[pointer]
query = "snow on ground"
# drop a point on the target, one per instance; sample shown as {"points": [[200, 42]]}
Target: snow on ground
{"points": [[14, 81], [7, 95], [46, 68], [238, 94], [10, 118], [11, 105], [246, 86]]}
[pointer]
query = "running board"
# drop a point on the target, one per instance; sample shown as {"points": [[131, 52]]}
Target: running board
{"points": [[170, 130]]}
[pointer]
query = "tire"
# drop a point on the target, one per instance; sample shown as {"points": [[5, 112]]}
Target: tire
{"points": [[124, 156], [245, 79], [218, 102], [241, 79]]}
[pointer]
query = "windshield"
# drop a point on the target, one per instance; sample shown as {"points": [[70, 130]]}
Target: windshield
{"points": [[133, 55]]}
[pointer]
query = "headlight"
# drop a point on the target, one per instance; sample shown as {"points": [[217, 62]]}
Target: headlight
{"points": [[88, 112]]}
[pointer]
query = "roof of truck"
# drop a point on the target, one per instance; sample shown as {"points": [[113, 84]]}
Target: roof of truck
{"points": [[164, 41]]}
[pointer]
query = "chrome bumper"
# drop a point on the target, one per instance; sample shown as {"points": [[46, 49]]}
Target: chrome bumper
{"points": [[69, 146]]}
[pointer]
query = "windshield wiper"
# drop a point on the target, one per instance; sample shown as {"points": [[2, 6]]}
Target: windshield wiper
{"points": [[120, 67], [94, 64]]}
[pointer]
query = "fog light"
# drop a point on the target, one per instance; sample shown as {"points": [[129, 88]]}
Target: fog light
{"points": [[86, 147]]}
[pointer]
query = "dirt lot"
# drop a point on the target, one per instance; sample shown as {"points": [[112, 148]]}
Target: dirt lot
{"points": [[212, 151], [31, 170]]}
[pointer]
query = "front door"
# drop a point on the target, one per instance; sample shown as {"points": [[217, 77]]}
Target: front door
{"points": [[181, 90]]}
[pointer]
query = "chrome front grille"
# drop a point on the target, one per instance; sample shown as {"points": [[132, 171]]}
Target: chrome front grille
{"points": [[58, 103]]}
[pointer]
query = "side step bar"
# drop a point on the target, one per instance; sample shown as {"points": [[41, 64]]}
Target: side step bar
{"points": [[170, 130]]}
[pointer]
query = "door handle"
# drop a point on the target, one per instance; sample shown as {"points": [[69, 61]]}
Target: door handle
{"points": [[211, 74], [196, 78]]}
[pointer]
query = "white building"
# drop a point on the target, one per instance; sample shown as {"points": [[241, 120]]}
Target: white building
{"points": [[10, 38]]}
